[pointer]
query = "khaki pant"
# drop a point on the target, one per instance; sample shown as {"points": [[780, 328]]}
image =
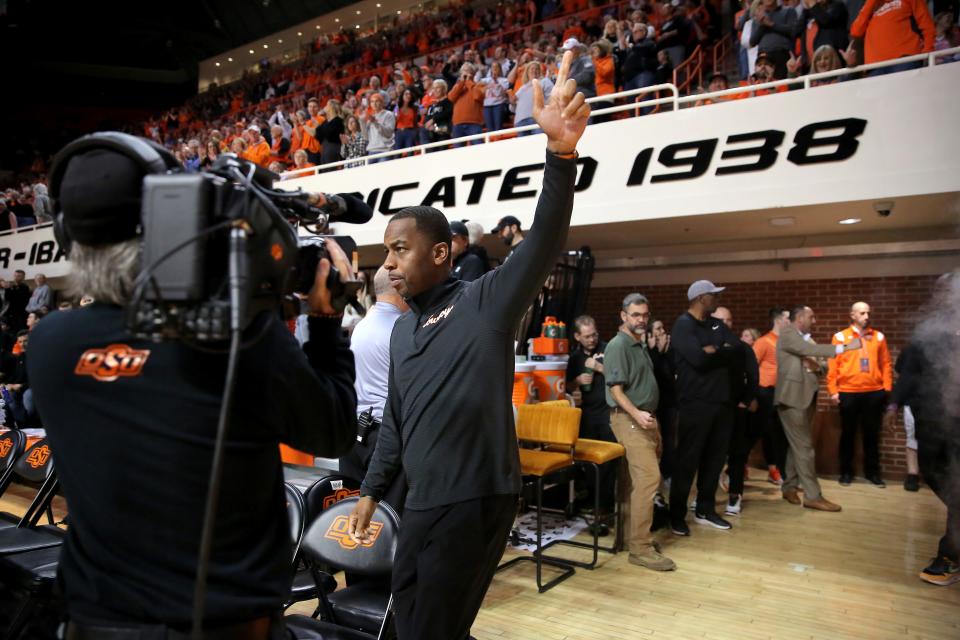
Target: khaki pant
{"points": [[801, 463], [644, 478]]}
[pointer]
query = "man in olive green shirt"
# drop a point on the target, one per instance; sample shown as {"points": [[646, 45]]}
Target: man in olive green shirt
{"points": [[632, 396]]}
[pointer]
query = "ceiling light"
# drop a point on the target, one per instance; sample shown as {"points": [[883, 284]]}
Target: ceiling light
{"points": [[229, 59], [398, 12], [318, 26], [280, 41], [217, 63], [357, 27], [251, 50], [266, 46], [782, 222], [300, 33], [358, 11], [335, 20], [378, 5], [849, 221]]}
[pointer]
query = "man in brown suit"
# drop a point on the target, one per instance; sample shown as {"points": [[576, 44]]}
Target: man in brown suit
{"points": [[796, 400]]}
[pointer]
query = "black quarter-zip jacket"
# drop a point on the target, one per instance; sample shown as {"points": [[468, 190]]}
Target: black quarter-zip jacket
{"points": [[448, 419]]}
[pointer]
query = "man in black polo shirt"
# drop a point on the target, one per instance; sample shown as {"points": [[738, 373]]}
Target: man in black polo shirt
{"points": [[632, 396], [585, 374], [448, 422], [704, 350]]}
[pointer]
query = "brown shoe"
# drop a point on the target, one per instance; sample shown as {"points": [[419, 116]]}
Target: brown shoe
{"points": [[790, 495], [652, 559], [821, 505]]}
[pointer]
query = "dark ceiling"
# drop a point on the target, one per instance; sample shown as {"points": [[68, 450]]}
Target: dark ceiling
{"points": [[70, 67], [154, 43]]}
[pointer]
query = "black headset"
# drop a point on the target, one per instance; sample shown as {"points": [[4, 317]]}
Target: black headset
{"points": [[149, 156]]}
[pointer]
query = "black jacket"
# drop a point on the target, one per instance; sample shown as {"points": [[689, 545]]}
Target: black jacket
{"points": [[744, 374], [831, 19], [593, 403], [469, 266], [702, 376], [640, 57], [449, 421], [924, 378], [132, 425]]}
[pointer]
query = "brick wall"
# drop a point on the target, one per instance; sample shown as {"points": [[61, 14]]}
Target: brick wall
{"points": [[895, 302]]}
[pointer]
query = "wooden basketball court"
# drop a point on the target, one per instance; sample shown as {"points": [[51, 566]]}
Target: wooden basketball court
{"points": [[782, 573]]}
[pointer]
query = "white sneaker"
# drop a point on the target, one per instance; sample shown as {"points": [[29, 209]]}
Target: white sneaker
{"points": [[734, 506]]}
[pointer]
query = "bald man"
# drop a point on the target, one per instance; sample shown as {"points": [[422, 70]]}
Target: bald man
{"points": [[859, 381], [370, 343]]}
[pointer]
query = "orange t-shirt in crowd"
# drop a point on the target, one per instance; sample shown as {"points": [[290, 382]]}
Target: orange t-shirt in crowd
{"points": [[604, 74], [275, 153], [765, 348], [889, 31], [758, 92], [307, 141], [467, 98], [258, 154], [406, 118], [296, 138], [862, 370]]}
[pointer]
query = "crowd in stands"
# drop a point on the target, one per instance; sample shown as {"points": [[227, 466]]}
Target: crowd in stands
{"points": [[460, 70], [25, 206], [467, 68], [21, 309]]}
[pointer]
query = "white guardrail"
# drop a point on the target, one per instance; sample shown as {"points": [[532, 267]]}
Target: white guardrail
{"points": [[675, 100]]}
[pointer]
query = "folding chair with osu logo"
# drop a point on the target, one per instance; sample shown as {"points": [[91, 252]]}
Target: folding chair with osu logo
{"points": [[356, 612]]}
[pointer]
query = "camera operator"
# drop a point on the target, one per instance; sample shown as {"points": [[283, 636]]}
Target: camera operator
{"points": [[133, 425]]}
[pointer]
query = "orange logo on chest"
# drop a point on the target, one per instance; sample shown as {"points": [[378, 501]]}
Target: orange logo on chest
{"points": [[115, 361]]}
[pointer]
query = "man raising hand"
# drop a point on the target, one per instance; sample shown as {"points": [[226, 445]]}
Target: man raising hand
{"points": [[448, 421]]}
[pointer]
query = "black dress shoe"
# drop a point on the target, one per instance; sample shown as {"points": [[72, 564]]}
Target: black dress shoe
{"points": [[877, 481], [912, 482], [846, 479]]}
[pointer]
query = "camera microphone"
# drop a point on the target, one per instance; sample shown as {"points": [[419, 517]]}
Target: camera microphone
{"points": [[341, 207]]}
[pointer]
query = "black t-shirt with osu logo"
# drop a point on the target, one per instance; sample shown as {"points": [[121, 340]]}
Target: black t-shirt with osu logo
{"points": [[132, 424]]}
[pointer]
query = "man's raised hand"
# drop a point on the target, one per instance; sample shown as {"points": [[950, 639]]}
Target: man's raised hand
{"points": [[565, 116]]}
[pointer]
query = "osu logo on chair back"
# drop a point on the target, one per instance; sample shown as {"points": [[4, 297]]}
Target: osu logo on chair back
{"points": [[6, 445], [337, 531], [112, 362], [39, 456], [338, 495]]}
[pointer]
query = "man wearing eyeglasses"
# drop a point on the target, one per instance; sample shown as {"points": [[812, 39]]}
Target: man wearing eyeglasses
{"points": [[585, 380]]}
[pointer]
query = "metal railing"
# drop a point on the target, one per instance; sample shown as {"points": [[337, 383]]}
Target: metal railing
{"points": [[675, 100], [721, 50]]}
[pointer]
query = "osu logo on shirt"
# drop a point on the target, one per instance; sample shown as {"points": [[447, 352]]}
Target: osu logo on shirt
{"points": [[5, 446], [338, 533], [337, 496], [115, 361], [38, 457]]}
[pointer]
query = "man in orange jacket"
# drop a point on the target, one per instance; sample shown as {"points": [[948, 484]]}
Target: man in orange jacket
{"points": [[859, 381], [893, 29]]}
